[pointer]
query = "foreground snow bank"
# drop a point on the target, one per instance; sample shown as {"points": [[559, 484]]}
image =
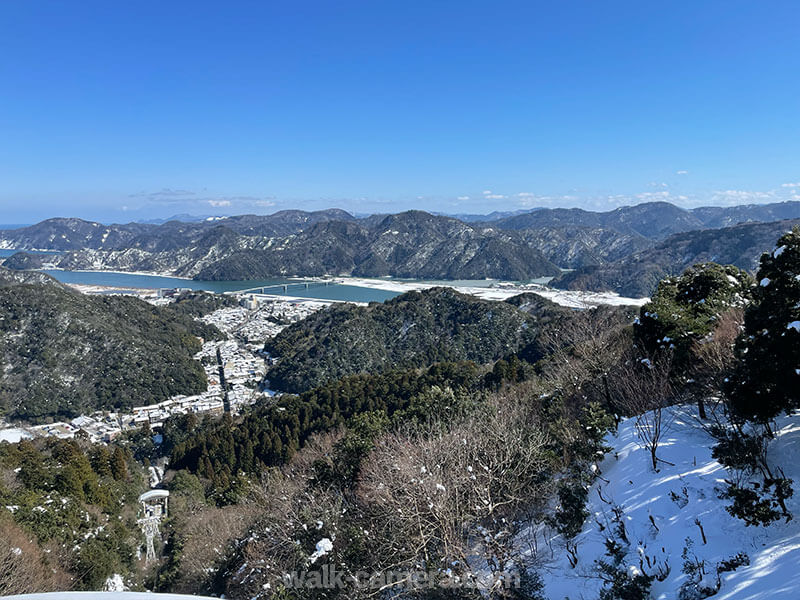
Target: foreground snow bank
{"points": [[666, 515]]}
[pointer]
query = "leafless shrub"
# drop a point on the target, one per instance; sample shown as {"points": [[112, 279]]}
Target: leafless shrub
{"points": [[206, 535], [714, 356], [583, 349], [446, 495], [289, 506], [23, 569], [643, 388]]}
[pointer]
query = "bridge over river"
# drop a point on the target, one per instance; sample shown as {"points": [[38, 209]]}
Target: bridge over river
{"points": [[284, 288]]}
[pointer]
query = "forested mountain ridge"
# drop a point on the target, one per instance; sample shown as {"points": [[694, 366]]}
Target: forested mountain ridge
{"points": [[415, 329], [638, 274], [412, 244], [64, 353], [65, 234], [653, 220]]}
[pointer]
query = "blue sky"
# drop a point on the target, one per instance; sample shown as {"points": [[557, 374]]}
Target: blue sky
{"points": [[130, 110]]}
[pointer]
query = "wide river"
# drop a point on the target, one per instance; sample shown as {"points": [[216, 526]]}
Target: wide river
{"points": [[294, 287], [331, 291]]}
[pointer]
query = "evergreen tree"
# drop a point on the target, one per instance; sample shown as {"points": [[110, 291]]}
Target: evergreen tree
{"points": [[767, 381], [101, 460], [687, 308], [119, 464]]}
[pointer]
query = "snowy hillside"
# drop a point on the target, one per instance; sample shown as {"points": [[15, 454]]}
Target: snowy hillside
{"points": [[666, 515]]}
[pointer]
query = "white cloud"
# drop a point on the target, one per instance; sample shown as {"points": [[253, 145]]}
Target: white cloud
{"points": [[790, 185], [165, 195], [462, 198], [220, 203], [734, 197], [681, 172], [531, 200], [652, 196]]}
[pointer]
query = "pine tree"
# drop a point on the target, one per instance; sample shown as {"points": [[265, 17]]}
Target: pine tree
{"points": [[101, 460], [767, 381], [686, 308], [119, 464]]}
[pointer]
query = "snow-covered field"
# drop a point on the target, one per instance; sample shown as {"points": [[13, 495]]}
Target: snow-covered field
{"points": [[12, 435], [681, 499], [501, 291]]}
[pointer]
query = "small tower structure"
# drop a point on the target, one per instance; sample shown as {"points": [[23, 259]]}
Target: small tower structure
{"points": [[155, 505]]}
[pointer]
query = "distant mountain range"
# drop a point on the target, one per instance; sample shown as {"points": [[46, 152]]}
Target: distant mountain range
{"points": [[638, 274], [653, 220], [622, 250]]}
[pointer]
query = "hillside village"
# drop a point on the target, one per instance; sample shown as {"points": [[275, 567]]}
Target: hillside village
{"points": [[244, 363]]}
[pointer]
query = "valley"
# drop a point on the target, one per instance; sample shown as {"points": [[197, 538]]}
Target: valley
{"points": [[534, 419], [626, 250]]}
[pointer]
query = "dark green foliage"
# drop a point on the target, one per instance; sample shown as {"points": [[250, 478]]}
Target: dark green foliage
{"points": [[746, 453], [687, 308], [597, 422], [571, 512], [413, 330], [189, 306], [620, 585], [767, 380], [580, 442], [727, 565], [438, 404], [739, 450], [760, 505], [65, 493], [622, 582], [512, 370], [170, 571], [350, 451], [188, 486], [198, 304], [100, 557], [64, 353], [271, 435], [119, 464], [94, 564]]}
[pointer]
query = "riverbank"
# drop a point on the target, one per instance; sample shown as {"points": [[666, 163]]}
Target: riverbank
{"points": [[501, 290], [341, 289]]}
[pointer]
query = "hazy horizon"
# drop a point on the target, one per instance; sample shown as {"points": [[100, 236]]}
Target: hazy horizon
{"points": [[357, 214]]}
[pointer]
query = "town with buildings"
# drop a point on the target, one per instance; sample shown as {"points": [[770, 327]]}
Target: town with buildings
{"points": [[240, 359]]}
